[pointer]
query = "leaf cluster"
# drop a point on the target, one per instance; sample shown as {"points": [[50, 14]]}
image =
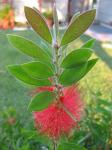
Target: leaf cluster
{"points": [[54, 68]]}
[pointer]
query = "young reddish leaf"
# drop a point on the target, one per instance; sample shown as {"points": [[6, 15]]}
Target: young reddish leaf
{"points": [[78, 26], [70, 146], [29, 48], [19, 73], [38, 23], [73, 75], [76, 57], [89, 43], [37, 70], [41, 101]]}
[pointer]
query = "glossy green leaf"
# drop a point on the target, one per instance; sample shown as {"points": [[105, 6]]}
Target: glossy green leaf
{"points": [[20, 74], [78, 26], [90, 65], [46, 47], [76, 57], [70, 146], [74, 17], [37, 70], [41, 101], [89, 43], [38, 23], [73, 75], [28, 47]]}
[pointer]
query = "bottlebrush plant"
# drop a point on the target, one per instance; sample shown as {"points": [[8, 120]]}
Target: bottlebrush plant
{"points": [[57, 106]]}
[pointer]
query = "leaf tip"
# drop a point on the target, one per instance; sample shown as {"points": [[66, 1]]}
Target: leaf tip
{"points": [[93, 11], [9, 68], [26, 8], [96, 59], [29, 108]]}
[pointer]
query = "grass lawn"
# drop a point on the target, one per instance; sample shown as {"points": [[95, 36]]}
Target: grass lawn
{"points": [[15, 94]]}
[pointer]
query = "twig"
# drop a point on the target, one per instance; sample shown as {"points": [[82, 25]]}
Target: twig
{"points": [[85, 138]]}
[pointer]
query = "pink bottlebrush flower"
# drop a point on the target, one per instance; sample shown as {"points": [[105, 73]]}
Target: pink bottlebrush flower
{"points": [[55, 120]]}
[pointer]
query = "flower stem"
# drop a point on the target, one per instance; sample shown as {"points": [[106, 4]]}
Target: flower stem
{"points": [[56, 63], [56, 55], [54, 145]]}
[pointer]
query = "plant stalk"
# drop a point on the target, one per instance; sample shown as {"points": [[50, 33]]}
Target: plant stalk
{"points": [[54, 145]]}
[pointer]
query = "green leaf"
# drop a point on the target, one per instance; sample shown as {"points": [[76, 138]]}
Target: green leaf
{"points": [[55, 16], [43, 140], [70, 146], [78, 27], [37, 70], [41, 101], [28, 47], [74, 17], [73, 75], [76, 57], [89, 43], [25, 147], [46, 47], [20, 74], [38, 23], [90, 65]]}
